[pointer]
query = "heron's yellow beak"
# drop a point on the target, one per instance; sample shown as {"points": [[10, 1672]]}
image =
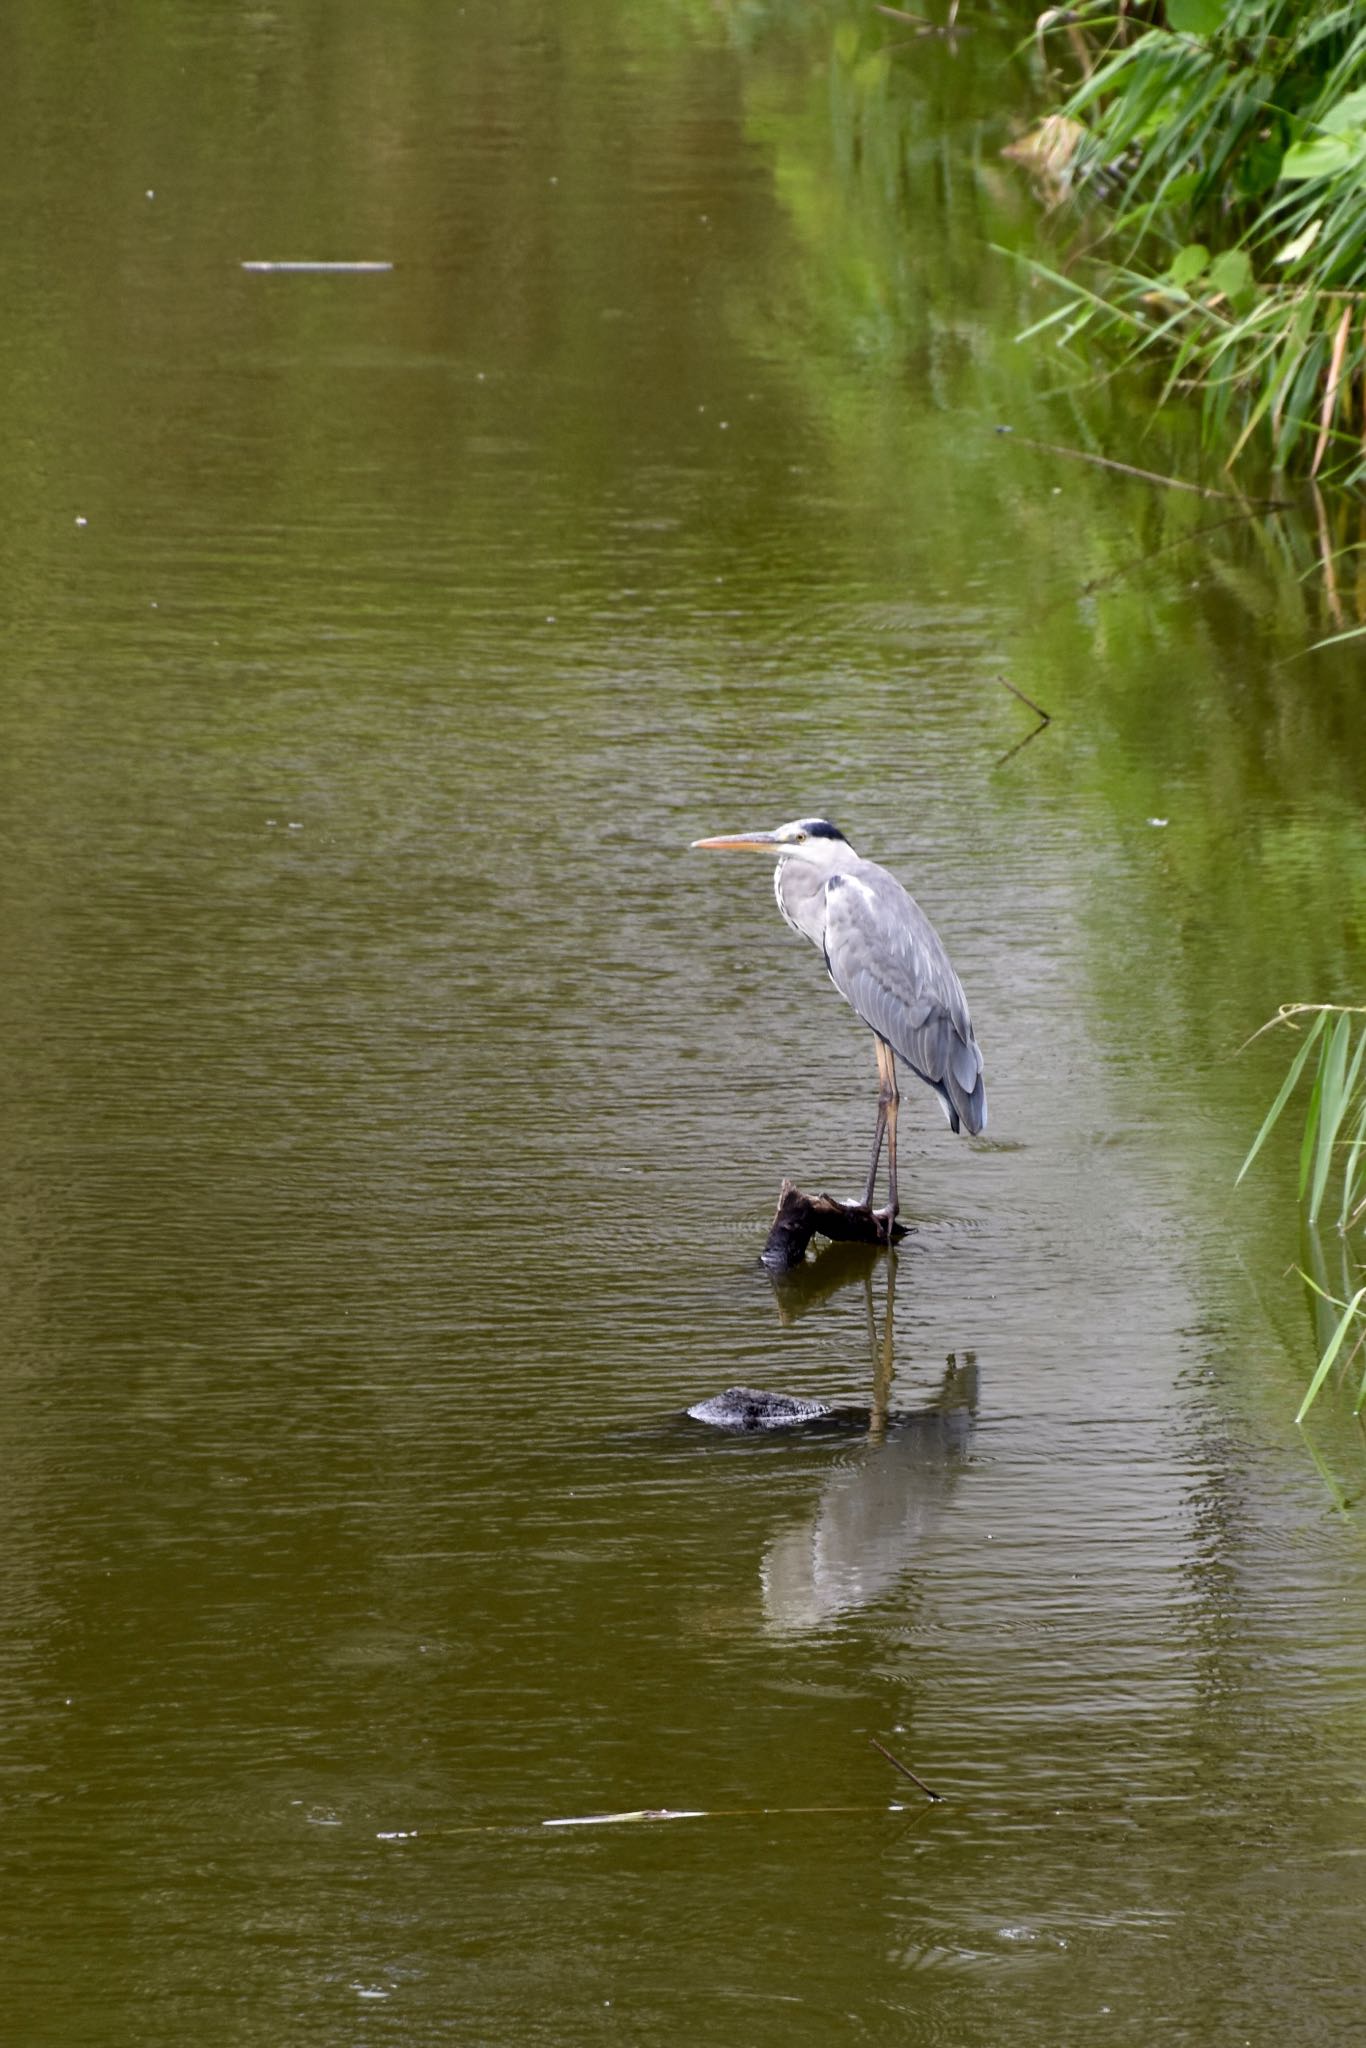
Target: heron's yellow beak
{"points": [[740, 842]]}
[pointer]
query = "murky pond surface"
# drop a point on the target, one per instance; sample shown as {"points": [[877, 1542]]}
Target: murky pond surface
{"points": [[393, 1107]]}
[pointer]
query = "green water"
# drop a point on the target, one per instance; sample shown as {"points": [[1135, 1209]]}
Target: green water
{"points": [[391, 1107]]}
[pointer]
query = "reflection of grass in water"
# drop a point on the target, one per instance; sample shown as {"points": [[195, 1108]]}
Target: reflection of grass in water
{"points": [[1334, 1138]]}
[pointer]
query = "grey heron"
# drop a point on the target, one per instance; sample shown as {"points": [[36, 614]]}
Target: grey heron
{"points": [[888, 962]]}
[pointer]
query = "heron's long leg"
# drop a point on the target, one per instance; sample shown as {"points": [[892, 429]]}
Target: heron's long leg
{"points": [[893, 1105], [877, 1153], [887, 1095]]}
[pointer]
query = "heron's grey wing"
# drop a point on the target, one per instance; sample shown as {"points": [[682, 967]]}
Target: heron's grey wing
{"points": [[888, 962]]}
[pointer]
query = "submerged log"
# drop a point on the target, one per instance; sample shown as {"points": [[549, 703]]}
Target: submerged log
{"points": [[798, 1218]]}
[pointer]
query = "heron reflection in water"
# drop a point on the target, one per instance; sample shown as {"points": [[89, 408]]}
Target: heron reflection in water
{"points": [[892, 1472], [884, 1502], [888, 962]]}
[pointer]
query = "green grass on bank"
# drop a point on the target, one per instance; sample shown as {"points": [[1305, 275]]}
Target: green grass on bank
{"points": [[1213, 153]]}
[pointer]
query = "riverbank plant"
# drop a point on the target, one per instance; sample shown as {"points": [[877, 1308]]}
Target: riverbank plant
{"points": [[1214, 155], [1332, 1168]]}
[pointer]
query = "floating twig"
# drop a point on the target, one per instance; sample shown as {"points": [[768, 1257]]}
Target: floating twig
{"points": [[1015, 691], [1147, 476], [922, 24], [905, 1770], [607, 1820], [1020, 745], [311, 266], [1045, 719], [640, 1814]]}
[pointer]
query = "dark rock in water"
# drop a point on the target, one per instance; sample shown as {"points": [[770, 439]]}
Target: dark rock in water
{"points": [[747, 1408]]}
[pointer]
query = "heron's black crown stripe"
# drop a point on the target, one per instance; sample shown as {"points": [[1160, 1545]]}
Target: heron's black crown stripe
{"points": [[821, 828]]}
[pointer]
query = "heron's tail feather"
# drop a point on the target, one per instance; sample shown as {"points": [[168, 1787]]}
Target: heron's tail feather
{"points": [[965, 1086], [972, 1110], [966, 1109]]}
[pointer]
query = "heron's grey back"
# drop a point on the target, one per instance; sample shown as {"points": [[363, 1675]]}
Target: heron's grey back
{"points": [[889, 963]]}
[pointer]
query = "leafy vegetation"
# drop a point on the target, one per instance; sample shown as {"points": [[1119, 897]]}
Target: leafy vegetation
{"points": [[1332, 1153], [1224, 144]]}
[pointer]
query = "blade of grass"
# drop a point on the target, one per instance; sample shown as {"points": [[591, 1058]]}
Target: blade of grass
{"points": [[1311, 1129], [1185, 139], [1350, 1182], [1336, 639], [1296, 1069], [1349, 1096], [1330, 388], [1334, 1345], [1334, 1095]]}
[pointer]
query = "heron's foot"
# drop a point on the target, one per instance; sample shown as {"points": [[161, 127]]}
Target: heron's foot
{"points": [[886, 1220]]}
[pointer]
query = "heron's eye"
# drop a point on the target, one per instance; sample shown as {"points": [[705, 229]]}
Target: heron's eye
{"points": [[798, 837]]}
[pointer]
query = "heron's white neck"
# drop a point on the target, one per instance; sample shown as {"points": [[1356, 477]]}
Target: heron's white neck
{"points": [[799, 882]]}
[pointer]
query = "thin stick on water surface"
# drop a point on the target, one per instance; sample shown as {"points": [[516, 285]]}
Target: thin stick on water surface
{"points": [[641, 1814], [1147, 476], [1015, 691], [905, 1770]]}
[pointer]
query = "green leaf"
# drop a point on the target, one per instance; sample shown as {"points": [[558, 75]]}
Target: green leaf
{"points": [[1296, 1069], [872, 72], [1302, 243], [1195, 17], [1257, 166], [1187, 264], [1350, 1183], [1231, 274], [1311, 1130], [1357, 1136], [1348, 113], [1177, 191], [1333, 1096], [1323, 156], [846, 41], [1335, 1342], [1336, 639]]}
